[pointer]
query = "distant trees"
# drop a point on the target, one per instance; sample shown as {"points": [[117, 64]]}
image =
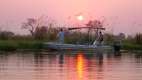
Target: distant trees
{"points": [[40, 32], [95, 24], [138, 38], [6, 35], [108, 38], [33, 24], [38, 28], [122, 36], [30, 25], [52, 32]]}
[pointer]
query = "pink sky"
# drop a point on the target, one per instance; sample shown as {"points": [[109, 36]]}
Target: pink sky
{"points": [[122, 15]]}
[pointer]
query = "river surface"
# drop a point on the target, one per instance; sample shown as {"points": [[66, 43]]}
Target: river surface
{"points": [[70, 66]]}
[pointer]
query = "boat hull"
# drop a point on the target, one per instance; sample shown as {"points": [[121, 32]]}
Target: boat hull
{"points": [[74, 47]]}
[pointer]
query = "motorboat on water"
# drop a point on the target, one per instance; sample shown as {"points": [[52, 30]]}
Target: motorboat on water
{"points": [[76, 47], [93, 47]]}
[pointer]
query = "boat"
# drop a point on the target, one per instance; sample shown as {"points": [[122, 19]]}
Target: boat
{"points": [[76, 47]]}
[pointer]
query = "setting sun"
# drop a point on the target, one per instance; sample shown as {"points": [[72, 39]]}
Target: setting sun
{"points": [[80, 17]]}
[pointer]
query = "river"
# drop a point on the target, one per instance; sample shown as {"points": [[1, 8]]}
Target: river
{"points": [[70, 66]]}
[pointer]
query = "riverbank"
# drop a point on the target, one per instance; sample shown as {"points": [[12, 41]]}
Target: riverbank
{"points": [[131, 46], [12, 45], [37, 45]]}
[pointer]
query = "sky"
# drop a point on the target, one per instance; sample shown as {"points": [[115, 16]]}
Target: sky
{"points": [[120, 15]]}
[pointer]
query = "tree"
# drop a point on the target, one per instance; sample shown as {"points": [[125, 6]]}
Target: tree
{"points": [[40, 32], [122, 36], [138, 38], [32, 24], [52, 31], [6, 34], [95, 24]]}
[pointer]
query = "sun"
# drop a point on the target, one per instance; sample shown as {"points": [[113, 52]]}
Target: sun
{"points": [[80, 17]]}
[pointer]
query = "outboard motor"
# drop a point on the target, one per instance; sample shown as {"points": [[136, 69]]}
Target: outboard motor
{"points": [[117, 47]]}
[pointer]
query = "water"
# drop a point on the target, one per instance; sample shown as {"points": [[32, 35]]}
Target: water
{"points": [[79, 66]]}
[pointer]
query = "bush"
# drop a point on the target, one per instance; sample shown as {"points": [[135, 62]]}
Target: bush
{"points": [[29, 45], [7, 46], [130, 46], [138, 38], [5, 35]]}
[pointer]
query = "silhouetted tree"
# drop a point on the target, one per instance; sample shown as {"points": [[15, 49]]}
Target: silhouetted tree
{"points": [[122, 36], [108, 38], [95, 24], [52, 31], [40, 32], [138, 38], [32, 24], [6, 34]]}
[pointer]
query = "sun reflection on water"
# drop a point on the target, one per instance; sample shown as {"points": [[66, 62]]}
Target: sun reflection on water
{"points": [[80, 65]]}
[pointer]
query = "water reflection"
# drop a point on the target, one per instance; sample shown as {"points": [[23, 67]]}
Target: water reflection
{"points": [[61, 59], [138, 58], [90, 67], [75, 66], [80, 65]]}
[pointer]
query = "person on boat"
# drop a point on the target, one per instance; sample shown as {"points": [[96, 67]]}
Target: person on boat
{"points": [[61, 36], [99, 39]]}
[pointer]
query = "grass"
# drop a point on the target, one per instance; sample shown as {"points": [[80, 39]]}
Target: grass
{"points": [[11, 45], [131, 46]]}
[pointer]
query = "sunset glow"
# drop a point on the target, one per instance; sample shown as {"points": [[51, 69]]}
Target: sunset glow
{"points": [[80, 18], [121, 15]]}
